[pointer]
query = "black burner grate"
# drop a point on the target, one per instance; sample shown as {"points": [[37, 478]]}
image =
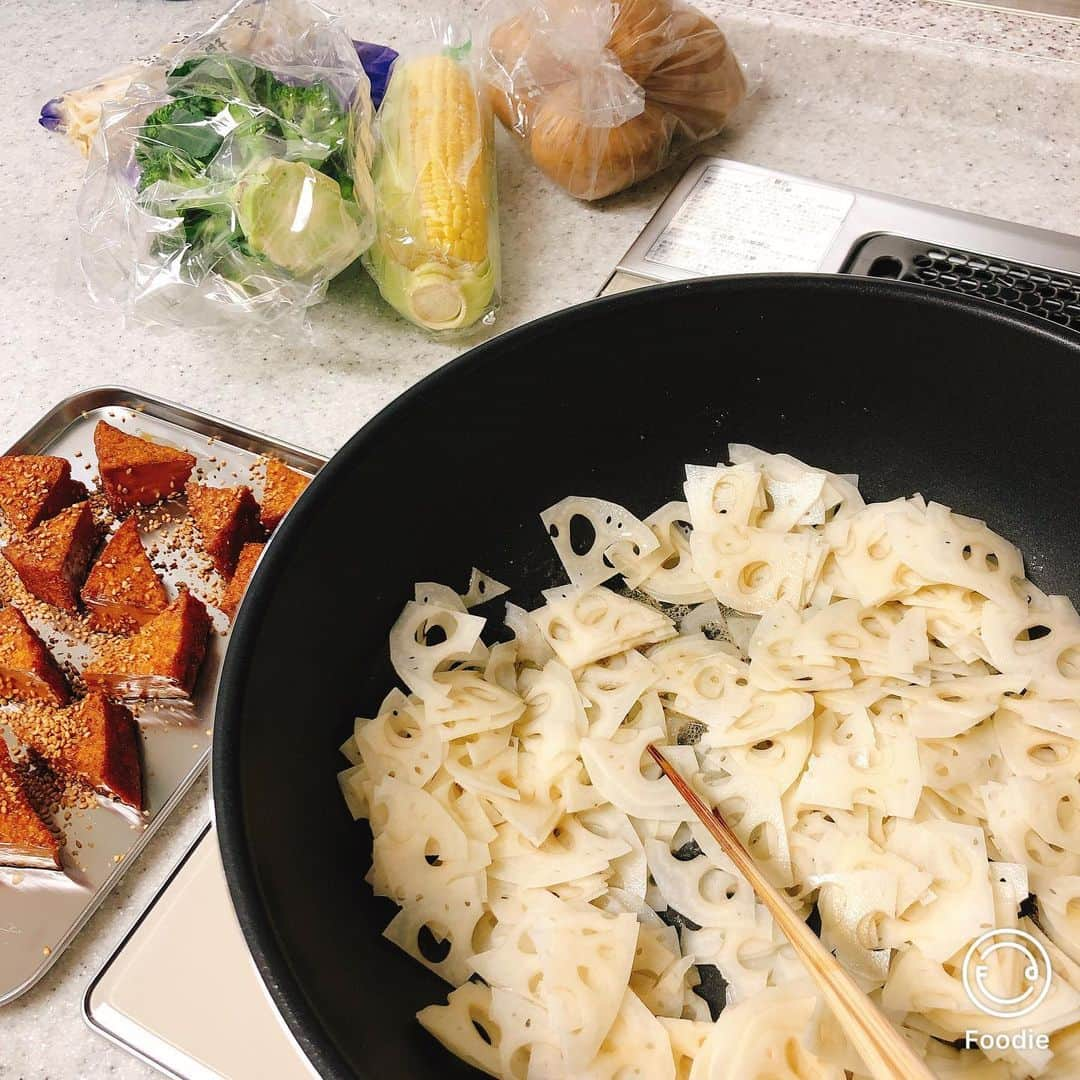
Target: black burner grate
{"points": [[1048, 294]]}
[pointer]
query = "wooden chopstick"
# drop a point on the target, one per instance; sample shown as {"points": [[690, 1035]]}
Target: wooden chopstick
{"points": [[882, 1048]]}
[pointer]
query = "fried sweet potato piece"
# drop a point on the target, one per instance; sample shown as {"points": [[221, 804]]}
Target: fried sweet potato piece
{"points": [[283, 487], [52, 559], [136, 472], [227, 518], [34, 487], [28, 671], [25, 840], [161, 661], [95, 740], [107, 757], [238, 583], [122, 591]]}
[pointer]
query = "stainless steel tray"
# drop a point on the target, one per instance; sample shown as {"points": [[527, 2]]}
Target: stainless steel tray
{"points": [[41, 911]]}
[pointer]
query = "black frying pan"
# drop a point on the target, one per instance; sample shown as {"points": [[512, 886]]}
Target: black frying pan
{"points": [[915, 390]]}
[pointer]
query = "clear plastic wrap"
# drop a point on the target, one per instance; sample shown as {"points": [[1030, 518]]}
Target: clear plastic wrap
{"points": [[76, 113], [606, 94], [235, 181], [436, 253]]}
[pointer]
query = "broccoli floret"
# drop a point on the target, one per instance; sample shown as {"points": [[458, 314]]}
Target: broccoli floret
{"points": [[234, 159], [177, 140], [312, 121], [227, 77], [210, 228], [255, 136], [203, 242], [172, 168]]}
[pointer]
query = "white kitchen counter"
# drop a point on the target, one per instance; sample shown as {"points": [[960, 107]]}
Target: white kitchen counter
{"points": [[970, 109]]}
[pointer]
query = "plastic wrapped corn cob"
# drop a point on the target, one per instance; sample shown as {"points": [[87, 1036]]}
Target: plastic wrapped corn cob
{"points": [[436, 252]]}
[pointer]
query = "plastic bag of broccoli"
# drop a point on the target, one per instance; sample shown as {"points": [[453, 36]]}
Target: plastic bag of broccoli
{"points": [[236, 184]]}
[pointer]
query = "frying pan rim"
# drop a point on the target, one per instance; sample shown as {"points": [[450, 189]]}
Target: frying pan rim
{"points": [[283, 986]]}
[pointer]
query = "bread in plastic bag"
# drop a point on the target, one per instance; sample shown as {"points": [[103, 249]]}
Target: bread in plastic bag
{"points": [[606, 94], [234, 182], [436, 253]]}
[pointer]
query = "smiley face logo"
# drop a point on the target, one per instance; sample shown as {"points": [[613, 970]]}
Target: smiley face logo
{"points": [[1012, 956]]}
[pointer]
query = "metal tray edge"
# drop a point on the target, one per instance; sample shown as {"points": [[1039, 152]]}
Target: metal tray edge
{"points": [[99, 397]]}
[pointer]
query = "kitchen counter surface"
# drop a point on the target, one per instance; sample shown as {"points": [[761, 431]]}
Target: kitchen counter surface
{"points": [[971, 109]]}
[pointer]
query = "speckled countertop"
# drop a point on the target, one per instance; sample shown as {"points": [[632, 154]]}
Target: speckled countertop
{"points": [[929, 100]]}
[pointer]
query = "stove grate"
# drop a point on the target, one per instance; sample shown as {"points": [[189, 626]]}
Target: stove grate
{"points": [[1049, 294]]}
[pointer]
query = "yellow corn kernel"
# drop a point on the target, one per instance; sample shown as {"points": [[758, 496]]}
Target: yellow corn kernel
{"points": [[445, 145]]}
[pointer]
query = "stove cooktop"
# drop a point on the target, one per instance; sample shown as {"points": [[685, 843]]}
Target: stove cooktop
{"points": [[726, 217]]}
